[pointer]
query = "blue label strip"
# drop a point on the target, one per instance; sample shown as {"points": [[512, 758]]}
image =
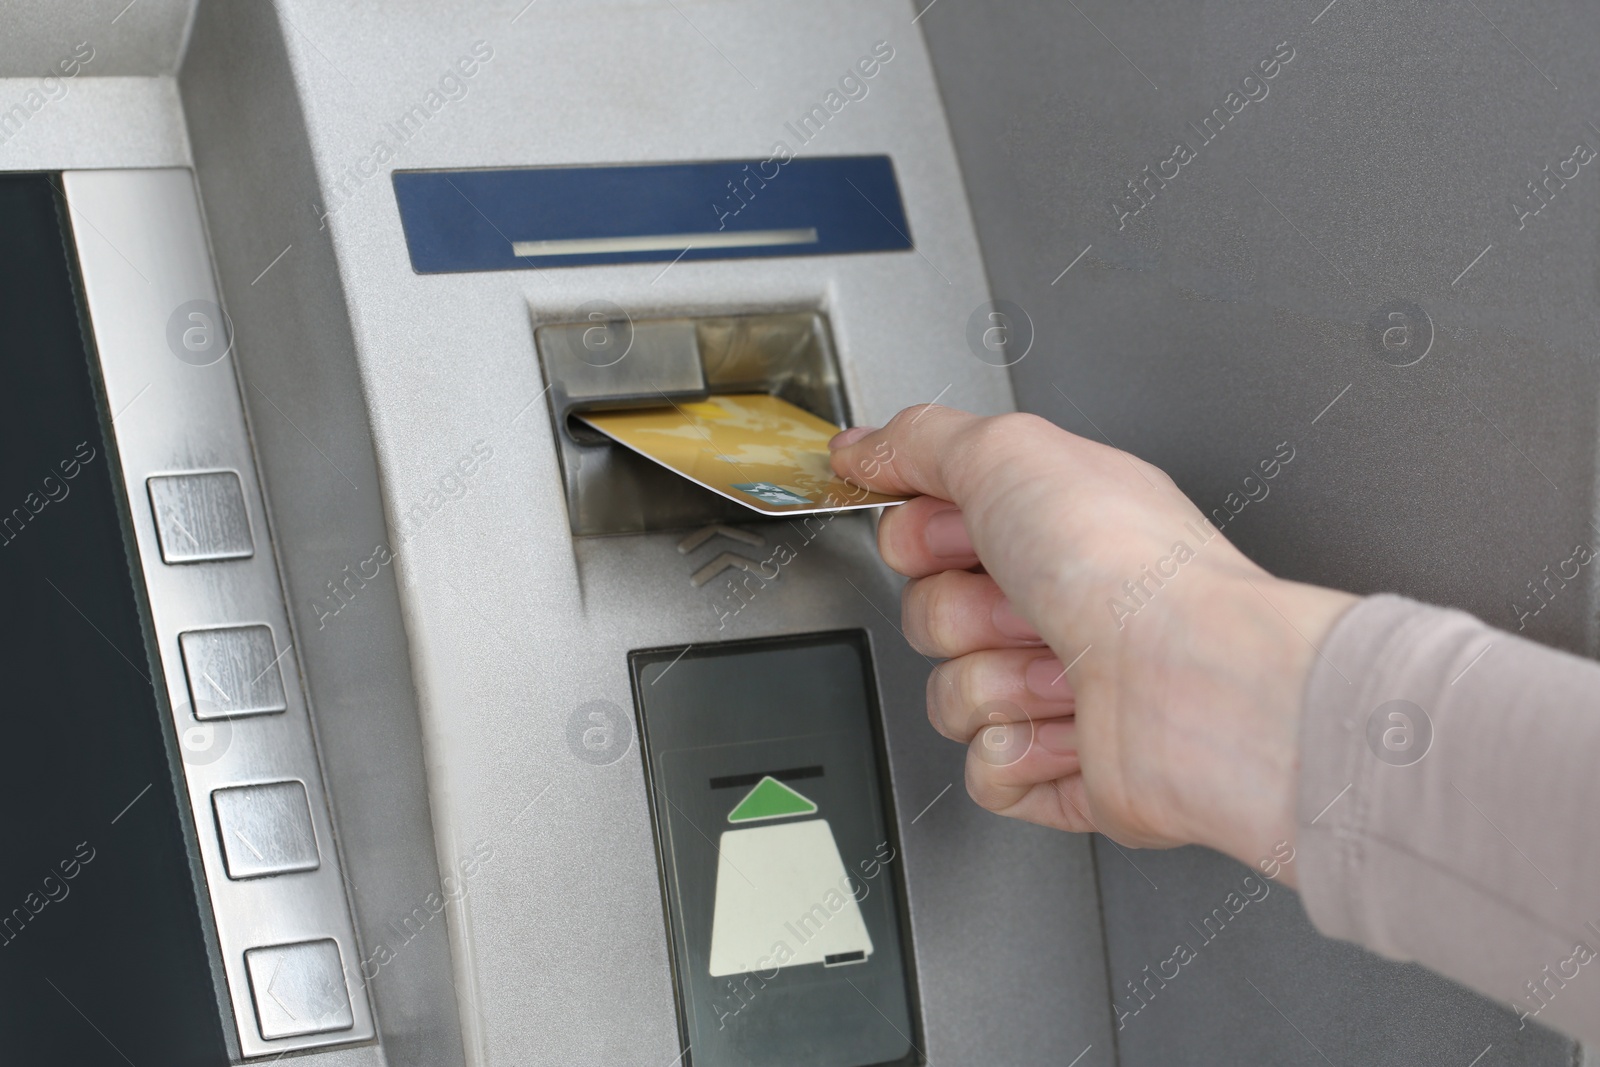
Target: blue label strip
{"points": [[472, 220]]}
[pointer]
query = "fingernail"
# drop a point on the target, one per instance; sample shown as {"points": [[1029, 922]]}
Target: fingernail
{"points": [[946, 535], [1045, 677], [849, 437], [1057, 737], [1009, 623]]}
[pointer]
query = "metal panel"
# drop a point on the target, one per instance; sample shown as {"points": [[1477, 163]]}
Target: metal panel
{"points": [[92, 122], [145, 271], [129, 39], [1340, 266], [200, 518], [311, 430], [515, 629]]}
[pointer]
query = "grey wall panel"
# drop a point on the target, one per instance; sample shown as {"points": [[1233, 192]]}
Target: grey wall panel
{"points": [[1213, 326], [303, 395], [1265, 987], [1232, 310]]}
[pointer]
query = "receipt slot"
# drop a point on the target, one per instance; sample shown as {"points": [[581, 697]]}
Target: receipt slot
{"points": [[780, 865]]}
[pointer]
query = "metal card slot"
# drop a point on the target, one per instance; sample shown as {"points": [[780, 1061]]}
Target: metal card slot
{"points": [[608, 361]]}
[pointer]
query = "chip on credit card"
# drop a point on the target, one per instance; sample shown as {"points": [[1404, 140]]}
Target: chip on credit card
{"points": [[756, 449]]}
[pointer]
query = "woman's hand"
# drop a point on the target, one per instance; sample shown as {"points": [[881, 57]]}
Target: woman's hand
{"points": [[1112, 662]]}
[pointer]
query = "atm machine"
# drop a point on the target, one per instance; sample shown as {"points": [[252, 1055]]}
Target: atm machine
{"points": [[369, 708]]}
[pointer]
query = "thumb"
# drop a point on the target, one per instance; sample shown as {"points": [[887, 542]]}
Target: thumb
{"points": [[916, 454]]}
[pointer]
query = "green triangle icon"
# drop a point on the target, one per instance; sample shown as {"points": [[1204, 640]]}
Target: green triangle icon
{"points": [[770, 799]]}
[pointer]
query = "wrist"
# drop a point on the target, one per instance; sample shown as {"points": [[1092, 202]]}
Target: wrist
{"points": [[1272, 640]]}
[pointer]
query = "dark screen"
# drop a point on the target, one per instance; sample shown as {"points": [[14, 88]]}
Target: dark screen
{"points": [[102, 951], [780, 864]]}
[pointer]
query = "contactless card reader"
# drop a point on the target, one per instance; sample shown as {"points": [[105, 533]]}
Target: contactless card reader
{"points": [[778, 856]]}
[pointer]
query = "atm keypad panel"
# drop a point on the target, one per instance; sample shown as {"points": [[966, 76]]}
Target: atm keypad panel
{"points": [[779, 857], [285, 939]]}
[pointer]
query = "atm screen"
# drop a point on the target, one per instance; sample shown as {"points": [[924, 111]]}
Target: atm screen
{"points": [[781, 869], [98, 910]]}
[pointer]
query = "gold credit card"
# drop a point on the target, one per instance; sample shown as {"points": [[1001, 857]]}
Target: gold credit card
{"points": [[763, 452]]}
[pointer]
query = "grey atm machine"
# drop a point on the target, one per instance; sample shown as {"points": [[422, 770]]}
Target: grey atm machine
{"points": [[363, 707]]}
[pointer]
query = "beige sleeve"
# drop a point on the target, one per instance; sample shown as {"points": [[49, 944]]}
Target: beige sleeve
{"points": [[1449, 805]]}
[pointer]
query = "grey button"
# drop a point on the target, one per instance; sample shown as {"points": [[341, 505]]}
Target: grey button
{"points": [[200, 517], [298, 989], [232, 672], [265, 829]]}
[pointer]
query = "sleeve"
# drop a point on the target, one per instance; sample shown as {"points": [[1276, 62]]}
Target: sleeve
{"points": [[1449, 805]]}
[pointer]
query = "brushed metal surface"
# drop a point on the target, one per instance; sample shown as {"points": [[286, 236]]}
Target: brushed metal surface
{"points": [[299, 990], [601, 363], [200, 517], [265, 829], [233, 671], [145, 265]]}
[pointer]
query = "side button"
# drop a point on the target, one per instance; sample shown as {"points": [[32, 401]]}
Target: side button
{"points": [[265, 829], [298, 989], [232, 671], [200, 517]]}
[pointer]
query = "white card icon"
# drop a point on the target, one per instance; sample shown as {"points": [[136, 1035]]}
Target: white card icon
{"points": [[783, 897]]}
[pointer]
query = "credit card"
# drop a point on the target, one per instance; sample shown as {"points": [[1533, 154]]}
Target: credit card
{"points": [[763, 452]]}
